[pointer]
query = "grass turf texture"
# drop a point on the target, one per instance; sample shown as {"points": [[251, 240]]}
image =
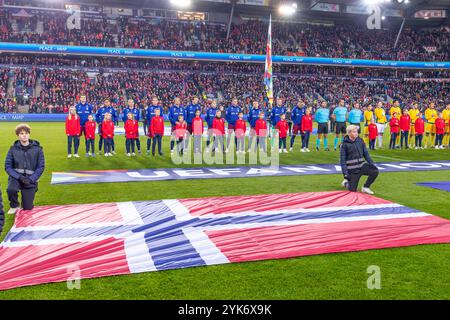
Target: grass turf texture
{"points": [[419, 272]]}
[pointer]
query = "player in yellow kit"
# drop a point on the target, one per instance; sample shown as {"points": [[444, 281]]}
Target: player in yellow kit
{"points": [[368, 119], [446, 117], [430, 129], [380, 120], [396, 109], [413, 114]]}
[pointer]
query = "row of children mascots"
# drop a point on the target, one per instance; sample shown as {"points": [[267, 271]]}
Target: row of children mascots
{"points": [[404, 126]]}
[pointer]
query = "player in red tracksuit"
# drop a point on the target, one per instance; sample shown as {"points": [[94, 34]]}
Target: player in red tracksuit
{"points": [[440, 131], [89, 130], [197, 131], [157, 131], [283, 128], [261, 132], [73, 131], [373, 133], [240, 128], [218, 131], [405, 125], [419, 128], [306, 129], [180, 133], [108, 133], [131, 127], [394, 124]]}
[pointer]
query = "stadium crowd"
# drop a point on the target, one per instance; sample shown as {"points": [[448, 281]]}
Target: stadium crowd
{"points": [[343, 41]]}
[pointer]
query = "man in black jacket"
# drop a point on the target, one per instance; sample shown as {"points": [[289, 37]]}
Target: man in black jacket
{"points": [[356, 162], [24, 165]]}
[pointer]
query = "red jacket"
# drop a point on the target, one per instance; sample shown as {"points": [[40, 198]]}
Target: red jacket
{"points": [[240, 128], [73, 127], [405, 123], [219, 126], [261, 127], [283, 128], [157, 126], [131, 129], [394, 124], [197, 126], [89, 128], [419, 126], [440, 126], [373, 131], [180, 129], [307, 123], [107, 129]]}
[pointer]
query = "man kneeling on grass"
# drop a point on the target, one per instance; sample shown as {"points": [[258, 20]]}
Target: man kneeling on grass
{"points": [[354, 155], [24, 165]]}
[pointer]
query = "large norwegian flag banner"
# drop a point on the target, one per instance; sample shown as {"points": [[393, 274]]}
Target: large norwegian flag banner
{"points": [[47, 243]]}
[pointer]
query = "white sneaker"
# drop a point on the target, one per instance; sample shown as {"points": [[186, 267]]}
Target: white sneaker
{"points": [[366, 190], [441, 147], [415, 148], [12, 210], [285, 151], [76, 155], [171, 152], [280, 151], [69, 156], [109, 154], [290, 149], [307, 150], [128, 154], [133, 154], [113, 152], [436, 147], [302, 150], [106, 154], [344, 183]]}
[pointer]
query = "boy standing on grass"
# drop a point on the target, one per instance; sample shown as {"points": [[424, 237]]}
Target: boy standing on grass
{"points": [[90, 136], [419, 128], [131, 127], [180, 132], [24, 165], [373, 133], [157, 131], [108, 134], [394, 124], [240, 129], [405, 125], [261, 132], [283, 128], [440, 131], [73, 131]]}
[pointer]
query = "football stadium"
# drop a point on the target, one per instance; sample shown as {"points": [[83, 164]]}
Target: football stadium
{"points": [[225, 150]]}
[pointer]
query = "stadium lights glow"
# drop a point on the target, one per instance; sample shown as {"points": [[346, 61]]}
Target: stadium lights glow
{"points": [[288, 9], [181, 3], [383, 17], [376, 1]]}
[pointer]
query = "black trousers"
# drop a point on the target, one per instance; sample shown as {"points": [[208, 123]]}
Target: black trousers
{"points": [[372, 144], [90, 145], [393, 139], [157, 139], [404, 137], [366, 170], [282, 143], [305, 139], [109, 143], [419, 138], [438, 140], [129, 145], [76, 143], [28, 193]]}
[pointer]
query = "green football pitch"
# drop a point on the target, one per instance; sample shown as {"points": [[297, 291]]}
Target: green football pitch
{"points": [[417, 272]]}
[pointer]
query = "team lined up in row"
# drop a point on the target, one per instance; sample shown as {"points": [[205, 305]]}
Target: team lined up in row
{"points": [[184, 120]]}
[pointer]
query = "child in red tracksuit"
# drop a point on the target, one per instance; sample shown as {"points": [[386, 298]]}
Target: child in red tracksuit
{"points": [[108, 133], [218, 131], [283, 127], [73, 131], [440, 131], [405, 125], [131, 127], [306, 129], [180, 133], [261, 132], [157, 131], [197, 131], [394, 124], [373, 133], [89, 130], [419, 128], [240, 129]]}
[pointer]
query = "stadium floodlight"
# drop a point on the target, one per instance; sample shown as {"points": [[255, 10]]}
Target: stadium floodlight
{"points": [[181, 3], [383, 17], [375, 1], [287, 9]]}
